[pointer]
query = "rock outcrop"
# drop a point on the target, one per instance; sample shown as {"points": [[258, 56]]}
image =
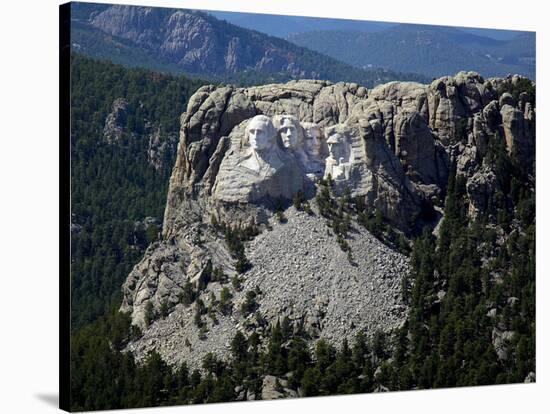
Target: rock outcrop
{"points": [[214, 112], [115, 123], [244, 154], [160, 149]]}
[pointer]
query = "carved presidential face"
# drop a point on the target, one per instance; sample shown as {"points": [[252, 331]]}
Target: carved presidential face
{"points": [[313, 139], [335, 146], [261, 133], [289, 134]]}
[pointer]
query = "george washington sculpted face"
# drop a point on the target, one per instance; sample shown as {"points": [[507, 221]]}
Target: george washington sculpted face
{"points": [[261, 133]]}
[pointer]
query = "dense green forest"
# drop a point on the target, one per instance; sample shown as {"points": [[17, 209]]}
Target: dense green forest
{"points": [[470, 289], [113, 186]]}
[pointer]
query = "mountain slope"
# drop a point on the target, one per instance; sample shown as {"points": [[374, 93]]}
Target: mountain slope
{"points": [[197, 43], [297, 271], [123, 141], [431, 50]]}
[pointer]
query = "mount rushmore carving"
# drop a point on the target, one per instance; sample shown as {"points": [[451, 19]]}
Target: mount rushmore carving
{"points": [[392, 145], [242, 150], [274, 157]]}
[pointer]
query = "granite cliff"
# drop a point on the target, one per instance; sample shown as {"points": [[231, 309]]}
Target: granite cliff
{"points": [[245, 240]]}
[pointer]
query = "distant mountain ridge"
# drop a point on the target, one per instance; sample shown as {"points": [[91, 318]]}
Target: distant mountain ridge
{"points": [[193, 42], [284, 26], [431, 50]]}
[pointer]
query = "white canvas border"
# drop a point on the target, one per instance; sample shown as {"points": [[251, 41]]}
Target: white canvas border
{"points": [[29, 207]]}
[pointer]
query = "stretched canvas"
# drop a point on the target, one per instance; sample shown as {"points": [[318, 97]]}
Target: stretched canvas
{"points": [[264, 206]]}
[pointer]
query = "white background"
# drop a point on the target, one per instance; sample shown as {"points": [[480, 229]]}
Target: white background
{"points": [[29, 204]]}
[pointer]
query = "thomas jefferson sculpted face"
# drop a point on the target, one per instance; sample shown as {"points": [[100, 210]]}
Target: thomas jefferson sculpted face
{"points": [[289, 134]]}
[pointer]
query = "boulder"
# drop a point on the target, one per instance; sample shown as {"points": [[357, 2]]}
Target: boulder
{"points": [[506, 99], [500, 340], [274, 388], [530, 378]]}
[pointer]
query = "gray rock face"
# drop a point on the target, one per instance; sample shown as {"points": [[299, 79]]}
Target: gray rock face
{"points": [[391, 146], [160, 148], [530, 378], [382, 179], [519, 132], [248, 175], [500, 340], [163, 279], [479, 188], [183, 33], [506, 99], [274, 388], [452, 102], [115, 123], [415, 146], [213, 114], [491, 115], [467, 160]]}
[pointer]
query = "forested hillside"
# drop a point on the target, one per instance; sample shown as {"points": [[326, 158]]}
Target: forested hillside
{"points": [[472, 292], [113, 186]]}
